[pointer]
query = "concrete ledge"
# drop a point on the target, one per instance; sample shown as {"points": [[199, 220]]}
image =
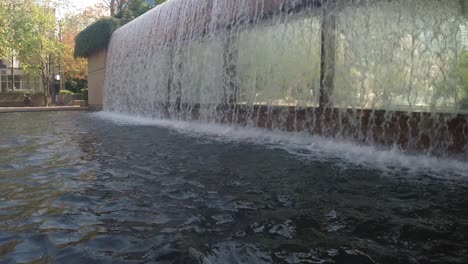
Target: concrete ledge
{"points": [[81, 103], [42, 109]]}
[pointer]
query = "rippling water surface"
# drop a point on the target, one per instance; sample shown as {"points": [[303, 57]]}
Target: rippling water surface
{"points": [[80, 188]]}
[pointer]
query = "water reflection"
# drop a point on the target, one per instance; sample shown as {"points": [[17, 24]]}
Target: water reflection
{"points": [[76, 189]]}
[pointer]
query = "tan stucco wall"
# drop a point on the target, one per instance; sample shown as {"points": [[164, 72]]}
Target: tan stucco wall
{"points": [[96, 78]]}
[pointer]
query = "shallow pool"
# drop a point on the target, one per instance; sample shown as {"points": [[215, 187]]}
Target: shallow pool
{"points": [[87, 188]]}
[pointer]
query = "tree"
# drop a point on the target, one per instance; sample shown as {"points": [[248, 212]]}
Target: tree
{"points": [[41, 47], [130, 8], [133, 9], [71, 68], [70, 26], [115, 6], [3, 27], [16, 25], [97, 35]]}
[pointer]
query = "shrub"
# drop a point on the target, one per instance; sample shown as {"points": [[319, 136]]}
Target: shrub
{"points": [[17, 92], [71, 86], [66, 92], [76, 85], [23, 92], [84, 94], [95, 37]]}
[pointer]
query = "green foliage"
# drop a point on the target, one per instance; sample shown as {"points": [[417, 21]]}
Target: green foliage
{"points": [[66, 92], [15, 25], [18, 23], [76, 85], [84, 94], [133, 10], [15, 92], [39, 48], [71, 85], [95, 37], [23, 92]]}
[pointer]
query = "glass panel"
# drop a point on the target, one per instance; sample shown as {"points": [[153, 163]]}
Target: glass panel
{"points": [[198, 72], [17, 82], [9, 82], [31, 82], [279, 62], [400, 55]]}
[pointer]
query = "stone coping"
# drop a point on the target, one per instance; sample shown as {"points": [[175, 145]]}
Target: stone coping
{"points": [[42, 109]]}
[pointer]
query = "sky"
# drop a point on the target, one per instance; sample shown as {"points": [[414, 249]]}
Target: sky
{"points": [[81, 4], [76, 6]]}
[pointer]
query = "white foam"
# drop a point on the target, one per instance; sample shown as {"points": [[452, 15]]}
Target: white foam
{"points": [[343, 153]]}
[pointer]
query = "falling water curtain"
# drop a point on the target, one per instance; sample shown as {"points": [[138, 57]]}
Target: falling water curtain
{"points": [[371, 54]]}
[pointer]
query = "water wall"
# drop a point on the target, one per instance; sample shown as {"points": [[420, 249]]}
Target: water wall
{"points": [[393, 73]]}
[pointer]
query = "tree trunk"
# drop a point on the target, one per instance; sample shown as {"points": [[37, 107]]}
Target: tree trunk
{"points": [[121, 4], [29, 83], [112, 7], [4, 86], [116, 6], [12, 72], [4, 89], [45, 81]]}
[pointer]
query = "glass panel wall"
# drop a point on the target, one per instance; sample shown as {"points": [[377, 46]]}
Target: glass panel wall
{"points": [[274, 62], [21, 82], [400, 55], [198, 71], [408, 55], [279, 61], [31, 82]]}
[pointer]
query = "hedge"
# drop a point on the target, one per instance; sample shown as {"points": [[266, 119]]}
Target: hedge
{"points": [[66, 92], [84, 94], [95, 37], [22, 92]]}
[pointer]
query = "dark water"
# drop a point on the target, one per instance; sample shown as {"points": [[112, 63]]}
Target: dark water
{"points": [[78, 189]]}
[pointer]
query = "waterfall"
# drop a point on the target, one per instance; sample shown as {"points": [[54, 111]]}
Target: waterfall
{"points": [[373, 71]]}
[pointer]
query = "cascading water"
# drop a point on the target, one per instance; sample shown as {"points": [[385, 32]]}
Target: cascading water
{"points": [[375, 71]]}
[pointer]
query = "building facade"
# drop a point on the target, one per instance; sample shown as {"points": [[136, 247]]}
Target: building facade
{"points": [[14, 78]]}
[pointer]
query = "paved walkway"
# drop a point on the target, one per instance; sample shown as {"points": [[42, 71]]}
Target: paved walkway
{"points": [[42, 109]]}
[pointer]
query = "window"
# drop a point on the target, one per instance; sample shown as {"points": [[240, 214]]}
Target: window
{"points": [[3, 82], [13, 82]]}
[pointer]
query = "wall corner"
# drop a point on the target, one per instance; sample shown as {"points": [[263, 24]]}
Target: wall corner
{"points": [[96, 79]]}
